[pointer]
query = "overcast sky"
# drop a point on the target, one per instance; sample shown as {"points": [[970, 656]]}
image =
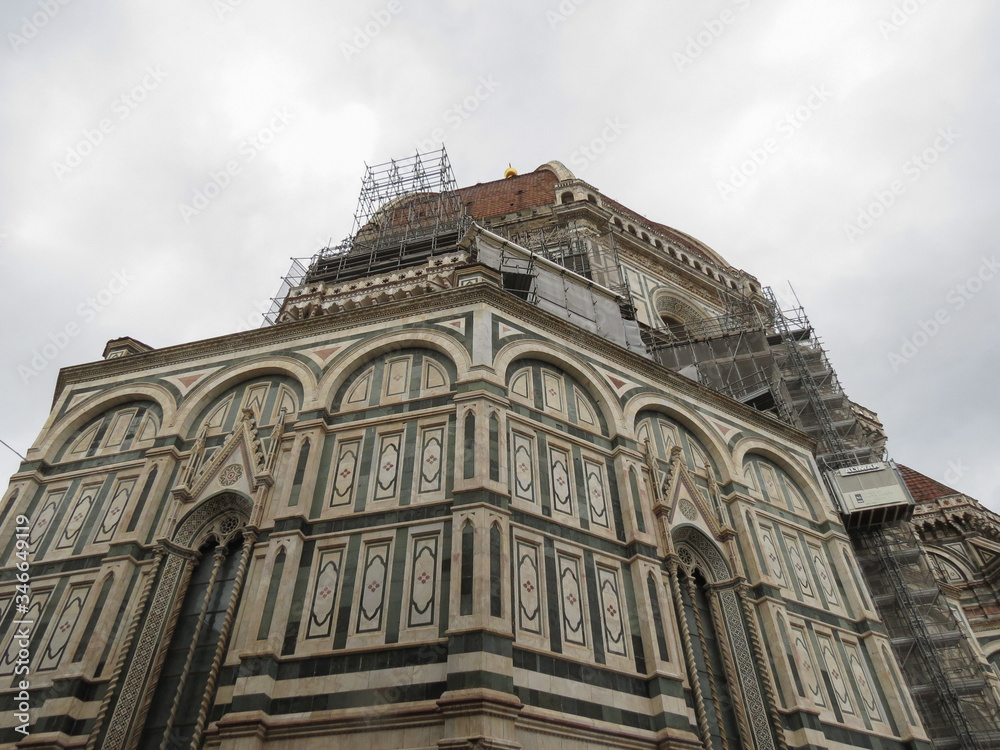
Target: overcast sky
{"points": [[849, 148]]}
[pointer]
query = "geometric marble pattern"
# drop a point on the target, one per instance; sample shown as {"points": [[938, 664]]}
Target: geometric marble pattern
{"points": [[119, 501], [597, 493], [611, 612], [345, 472], [560, 479], [571, 596], [63, 627], [529, 602], [431, 459], [523, 467], [374, 575], [324, 596], [77, 516], [423, 581]]}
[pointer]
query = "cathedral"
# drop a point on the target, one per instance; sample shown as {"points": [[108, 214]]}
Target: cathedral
{"points": [[511, 467]]}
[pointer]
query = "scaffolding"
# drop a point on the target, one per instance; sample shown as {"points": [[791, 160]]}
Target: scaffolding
{"points": [[771, 359], [408, 210], [580, 248], [947, 683], [296, 273]]}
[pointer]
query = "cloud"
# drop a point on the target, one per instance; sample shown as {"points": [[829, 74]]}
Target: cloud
{"points": [[227, 73]]}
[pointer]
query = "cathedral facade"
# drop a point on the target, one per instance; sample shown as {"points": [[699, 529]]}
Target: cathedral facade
{"points": [[448, 500]]}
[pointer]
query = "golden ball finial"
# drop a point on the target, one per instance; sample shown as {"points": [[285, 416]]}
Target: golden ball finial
{"points": [[509, 172]]}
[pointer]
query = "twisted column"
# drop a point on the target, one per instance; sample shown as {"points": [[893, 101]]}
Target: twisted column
{"points": [[692, 665], [220, 556], [739, 708], [213, 676], [692, 592], [758, 653], [140, 607]]}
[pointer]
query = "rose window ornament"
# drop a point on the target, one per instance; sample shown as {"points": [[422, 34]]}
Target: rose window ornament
{"points": [[230, 475]]}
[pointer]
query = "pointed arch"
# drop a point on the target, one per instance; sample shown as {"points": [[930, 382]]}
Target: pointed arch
{"points": [[212, 517], [714, 564], [467, 580], [496, 570]]}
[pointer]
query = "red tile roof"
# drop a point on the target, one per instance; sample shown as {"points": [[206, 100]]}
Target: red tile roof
{"points": [[924, 489], [507, 196], [534, 189]]}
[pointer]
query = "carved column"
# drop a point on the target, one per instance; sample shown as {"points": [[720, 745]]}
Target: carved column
{"points": [[693, 592], [123, 651], [249, 539], [692, 665]]}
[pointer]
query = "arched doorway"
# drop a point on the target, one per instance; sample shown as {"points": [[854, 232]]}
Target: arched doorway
{"points": [[164, 684], [721, 647]]}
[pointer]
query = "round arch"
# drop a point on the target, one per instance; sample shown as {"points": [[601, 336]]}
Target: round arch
{"points": [[94, 406], [606, 400], [218, 383], [692, 421], [409, 339], [671, 303], [952, 559], [806, 481]]}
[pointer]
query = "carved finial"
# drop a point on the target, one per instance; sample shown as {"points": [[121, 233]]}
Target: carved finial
{"points": [[654, 469]]}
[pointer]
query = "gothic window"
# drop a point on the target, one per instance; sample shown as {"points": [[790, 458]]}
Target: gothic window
{"points": [[95, 615], [654, 606], [496, 572], [277, 569], [675, 326], [467, 579], [469, 464]]}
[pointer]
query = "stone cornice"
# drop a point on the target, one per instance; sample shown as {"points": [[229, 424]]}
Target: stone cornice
{"points": [[482, 293]]}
